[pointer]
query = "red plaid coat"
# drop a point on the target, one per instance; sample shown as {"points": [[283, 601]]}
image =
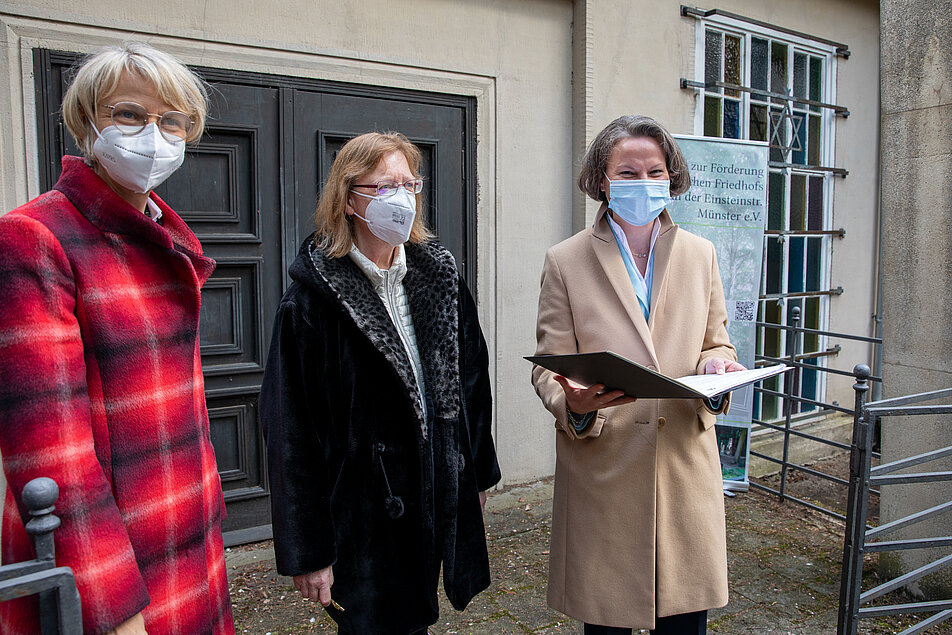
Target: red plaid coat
{"points": [[101, 389]]}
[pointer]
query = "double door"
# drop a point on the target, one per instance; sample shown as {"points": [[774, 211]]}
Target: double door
{"points": [[248, 190]]}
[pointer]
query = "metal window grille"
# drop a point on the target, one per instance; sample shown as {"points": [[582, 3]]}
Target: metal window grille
{"points": [[762, 83]]}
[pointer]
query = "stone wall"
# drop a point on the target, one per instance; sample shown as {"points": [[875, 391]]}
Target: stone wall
{"points": [[916, 260]]}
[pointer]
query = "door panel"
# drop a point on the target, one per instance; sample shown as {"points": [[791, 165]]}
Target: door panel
{"points": [[248, 191], [228, 191]]}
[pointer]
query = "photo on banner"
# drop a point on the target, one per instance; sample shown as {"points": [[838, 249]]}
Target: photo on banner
{"points": [[727, 204]]}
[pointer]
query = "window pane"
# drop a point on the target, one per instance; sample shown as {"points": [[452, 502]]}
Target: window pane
{"points": [[795, 265], [760, 331], [778, 69], [814, 140], [758, 63], [758, 122], [731, 119], [808, 385], [771, 404], [815, 211], [800, 76], [732, 63], [772, 336], [712, 58], [775, 201], [811, 320], [712, 117], [799, 125], [814, 253], [798, 185], [816, 81], [774, 265], [778, 134]]}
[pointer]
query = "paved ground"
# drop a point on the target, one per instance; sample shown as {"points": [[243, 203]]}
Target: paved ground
{"points": [[784, 575]]}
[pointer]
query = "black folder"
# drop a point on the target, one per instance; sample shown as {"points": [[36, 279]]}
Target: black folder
{"points": [[618, 373]]}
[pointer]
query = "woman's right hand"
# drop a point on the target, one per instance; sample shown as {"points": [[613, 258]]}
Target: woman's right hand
{"points": [[316, 586], [583, 400]]}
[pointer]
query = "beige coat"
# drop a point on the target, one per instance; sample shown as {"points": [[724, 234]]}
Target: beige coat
{"points": [[638, 516]]}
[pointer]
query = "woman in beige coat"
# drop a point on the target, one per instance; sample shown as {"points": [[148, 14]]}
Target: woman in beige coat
{"points": [[638, 538]]}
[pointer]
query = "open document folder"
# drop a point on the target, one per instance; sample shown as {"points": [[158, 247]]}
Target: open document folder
{"points": [[618, 373]]}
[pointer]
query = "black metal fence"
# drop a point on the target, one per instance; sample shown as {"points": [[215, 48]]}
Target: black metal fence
{"points": [[792, 401], [60, 612], [864, 478], [860, 539]]}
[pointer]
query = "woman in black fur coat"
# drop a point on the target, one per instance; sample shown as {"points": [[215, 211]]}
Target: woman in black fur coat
{"points": [[376, 406]]}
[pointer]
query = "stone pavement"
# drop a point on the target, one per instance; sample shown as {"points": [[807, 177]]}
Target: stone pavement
{"points": [[784, 575]]}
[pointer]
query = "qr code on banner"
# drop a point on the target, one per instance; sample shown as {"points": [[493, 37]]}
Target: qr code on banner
{"points": [[744, 311]]}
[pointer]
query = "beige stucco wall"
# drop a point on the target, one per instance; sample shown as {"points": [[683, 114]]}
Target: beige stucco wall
{"points": [[546, 74]]}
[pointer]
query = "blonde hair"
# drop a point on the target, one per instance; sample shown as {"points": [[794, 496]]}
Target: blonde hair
{"points": [[99, 74], [360, 155]]}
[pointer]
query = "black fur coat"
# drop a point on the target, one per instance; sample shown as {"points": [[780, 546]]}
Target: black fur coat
{"points": [[357, 479]]}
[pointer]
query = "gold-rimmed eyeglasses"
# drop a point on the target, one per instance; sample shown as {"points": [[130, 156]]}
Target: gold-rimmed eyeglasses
{"points": [[388, 188], [131, 118]]}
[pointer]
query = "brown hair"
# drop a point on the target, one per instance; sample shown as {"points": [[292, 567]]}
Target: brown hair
{"points": [[595, 162], [360, 155]]}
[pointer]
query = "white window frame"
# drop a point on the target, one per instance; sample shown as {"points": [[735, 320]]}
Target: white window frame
{"points": [[746, 31]]}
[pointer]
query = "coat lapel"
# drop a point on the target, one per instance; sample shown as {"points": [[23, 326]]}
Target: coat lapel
{"points": [[663, 247], [606, 250], [110, 213]]}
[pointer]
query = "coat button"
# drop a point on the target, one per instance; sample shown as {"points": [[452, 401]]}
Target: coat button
{"points": [[661, 422], [461, 462]]}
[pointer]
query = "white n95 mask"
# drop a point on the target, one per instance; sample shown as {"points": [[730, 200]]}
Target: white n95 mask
{"points": [[139, 162], [390, 219]]}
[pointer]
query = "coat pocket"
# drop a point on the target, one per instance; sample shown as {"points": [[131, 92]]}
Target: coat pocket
{"points": [[705, 418]]}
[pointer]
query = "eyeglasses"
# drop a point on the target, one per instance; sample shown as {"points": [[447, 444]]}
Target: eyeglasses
{"points": [[386, 188], [131, 118]]}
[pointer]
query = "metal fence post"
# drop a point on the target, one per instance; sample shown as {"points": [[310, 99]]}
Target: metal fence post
{"points": [[790, 387], [39, 496], [856, 508], [60, 609]]}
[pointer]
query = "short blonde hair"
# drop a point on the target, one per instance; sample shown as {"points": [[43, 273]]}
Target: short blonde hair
{"points": [[98, 75], [360, 155], [596, 159]]}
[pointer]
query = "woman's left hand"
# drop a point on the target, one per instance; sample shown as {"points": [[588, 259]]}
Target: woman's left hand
{"points": [[316, 586], [719, 366]]}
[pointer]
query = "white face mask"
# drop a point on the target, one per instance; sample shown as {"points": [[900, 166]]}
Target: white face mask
{"points": [[138, 162], [390, 219]]}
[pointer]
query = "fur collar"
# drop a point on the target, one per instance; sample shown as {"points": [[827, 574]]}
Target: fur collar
{"points": [[432, 289]]}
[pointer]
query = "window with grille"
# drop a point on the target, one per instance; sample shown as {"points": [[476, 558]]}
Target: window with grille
{"points": [[761, 83]]}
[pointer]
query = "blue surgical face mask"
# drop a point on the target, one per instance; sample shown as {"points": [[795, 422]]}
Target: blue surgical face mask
{"points": [[639, 202]]}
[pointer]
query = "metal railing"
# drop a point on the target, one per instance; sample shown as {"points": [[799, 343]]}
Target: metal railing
{"points": [[790, 398], [860, 539], [60, 612]]}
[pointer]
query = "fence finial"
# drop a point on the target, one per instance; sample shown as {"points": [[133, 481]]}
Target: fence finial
{"points": [[39, 496]]}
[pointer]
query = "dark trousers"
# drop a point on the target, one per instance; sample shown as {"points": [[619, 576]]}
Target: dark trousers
{"points": [[683, 624]]}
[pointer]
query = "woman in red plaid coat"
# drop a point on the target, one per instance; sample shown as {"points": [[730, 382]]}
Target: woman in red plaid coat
{"points": [[101, 382]]}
